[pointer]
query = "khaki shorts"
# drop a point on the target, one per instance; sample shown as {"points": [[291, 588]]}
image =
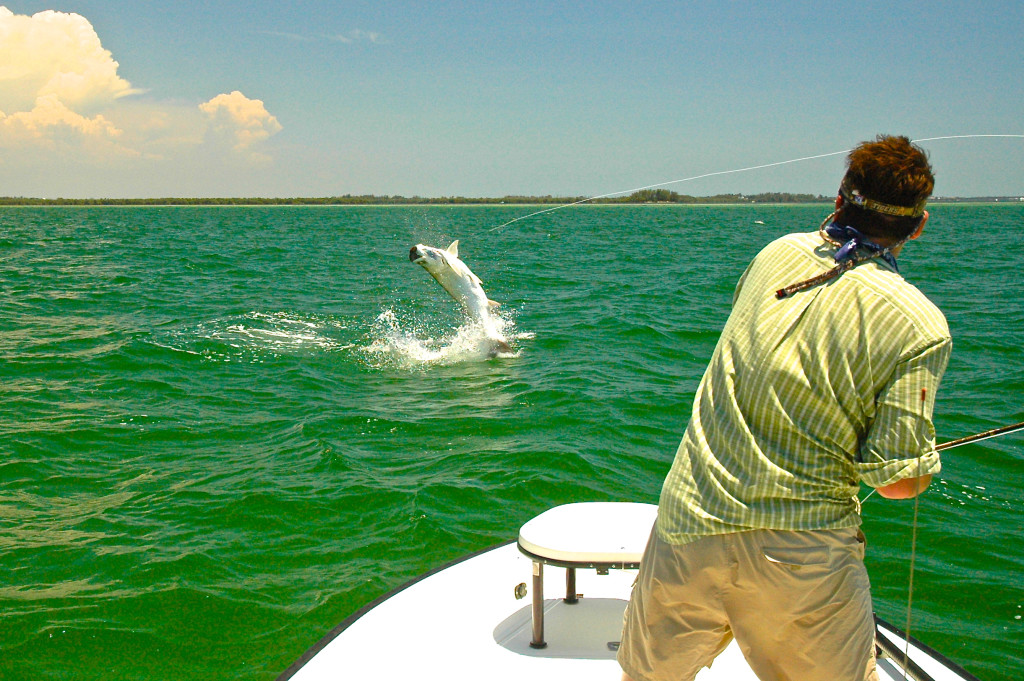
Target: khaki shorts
{"points": [[798, 604]]}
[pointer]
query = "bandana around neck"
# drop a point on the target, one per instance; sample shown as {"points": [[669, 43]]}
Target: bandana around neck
{"points": [[852, 240], [848, 242]]}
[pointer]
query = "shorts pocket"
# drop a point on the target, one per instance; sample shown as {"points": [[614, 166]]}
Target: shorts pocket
{"points": [[797, 557]]}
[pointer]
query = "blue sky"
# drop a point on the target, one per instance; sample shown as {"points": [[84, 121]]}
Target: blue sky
{"points": [[494, 98]]}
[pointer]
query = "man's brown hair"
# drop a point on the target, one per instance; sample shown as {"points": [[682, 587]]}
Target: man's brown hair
{"points": [[890, 170]]}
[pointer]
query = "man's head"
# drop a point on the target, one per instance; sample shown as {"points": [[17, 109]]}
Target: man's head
{"points": [[885, 188]]}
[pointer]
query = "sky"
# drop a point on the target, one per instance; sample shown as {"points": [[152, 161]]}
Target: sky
{"points": [[130, 99]]}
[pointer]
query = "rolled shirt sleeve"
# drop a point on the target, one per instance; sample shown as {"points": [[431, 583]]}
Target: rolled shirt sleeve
{"points": [[900, 442]]}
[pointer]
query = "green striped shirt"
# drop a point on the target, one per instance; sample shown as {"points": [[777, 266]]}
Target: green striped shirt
{"points": [[806, 397]]}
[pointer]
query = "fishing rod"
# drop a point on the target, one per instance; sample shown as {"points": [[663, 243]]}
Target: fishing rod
{"points": [[969, 439], [736, 170], [978, 437]]}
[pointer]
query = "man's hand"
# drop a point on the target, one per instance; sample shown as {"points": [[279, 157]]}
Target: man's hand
{"points": [[906, 488]]}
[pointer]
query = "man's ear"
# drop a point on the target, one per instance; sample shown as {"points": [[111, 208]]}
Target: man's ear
{"points": [[920, 226]]}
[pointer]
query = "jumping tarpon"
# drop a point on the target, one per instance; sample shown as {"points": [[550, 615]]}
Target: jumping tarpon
{"points": [[462, 285]]}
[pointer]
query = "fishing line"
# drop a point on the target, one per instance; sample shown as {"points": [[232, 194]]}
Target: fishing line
{"points": [[909, 668], [733, 171], [913, 544], [889, 649]]}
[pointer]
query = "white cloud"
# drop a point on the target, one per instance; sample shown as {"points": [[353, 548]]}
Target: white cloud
{"points": [[297, 37], [51, 115], [242, 120], [359, 36], [55, 54], [63, 104], [353, 36]]}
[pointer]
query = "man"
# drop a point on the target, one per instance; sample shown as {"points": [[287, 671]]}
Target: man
{"points": [[824, 377]]}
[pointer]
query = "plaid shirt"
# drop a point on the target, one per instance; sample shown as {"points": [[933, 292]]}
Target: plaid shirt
{"points": [[806, 397]]}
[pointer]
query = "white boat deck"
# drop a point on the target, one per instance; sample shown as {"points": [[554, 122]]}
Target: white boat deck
{"points": [[464, 621]]}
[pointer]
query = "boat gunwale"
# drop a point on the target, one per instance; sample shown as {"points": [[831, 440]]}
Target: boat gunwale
{"points": [[936, 655]]}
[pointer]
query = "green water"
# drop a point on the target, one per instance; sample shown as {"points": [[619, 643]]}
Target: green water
{"points": [[223, 430]]}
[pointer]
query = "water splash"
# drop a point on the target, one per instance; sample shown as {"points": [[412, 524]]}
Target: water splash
{"points": [[410, 343], [279, 332], [253, 337]]}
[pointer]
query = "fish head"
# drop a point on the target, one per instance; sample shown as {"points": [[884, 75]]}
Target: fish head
{"points": [[454, 276], [444, 265], [433, 260]]}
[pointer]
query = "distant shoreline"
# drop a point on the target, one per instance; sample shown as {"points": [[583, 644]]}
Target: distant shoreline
{"points": [[645, 197]]}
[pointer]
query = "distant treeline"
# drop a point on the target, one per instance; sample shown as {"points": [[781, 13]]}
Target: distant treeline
{"points": [[346, 200], [666, 196], [642, 196]]}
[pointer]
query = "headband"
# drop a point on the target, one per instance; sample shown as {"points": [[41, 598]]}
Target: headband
{"points": [[856, 198]]}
